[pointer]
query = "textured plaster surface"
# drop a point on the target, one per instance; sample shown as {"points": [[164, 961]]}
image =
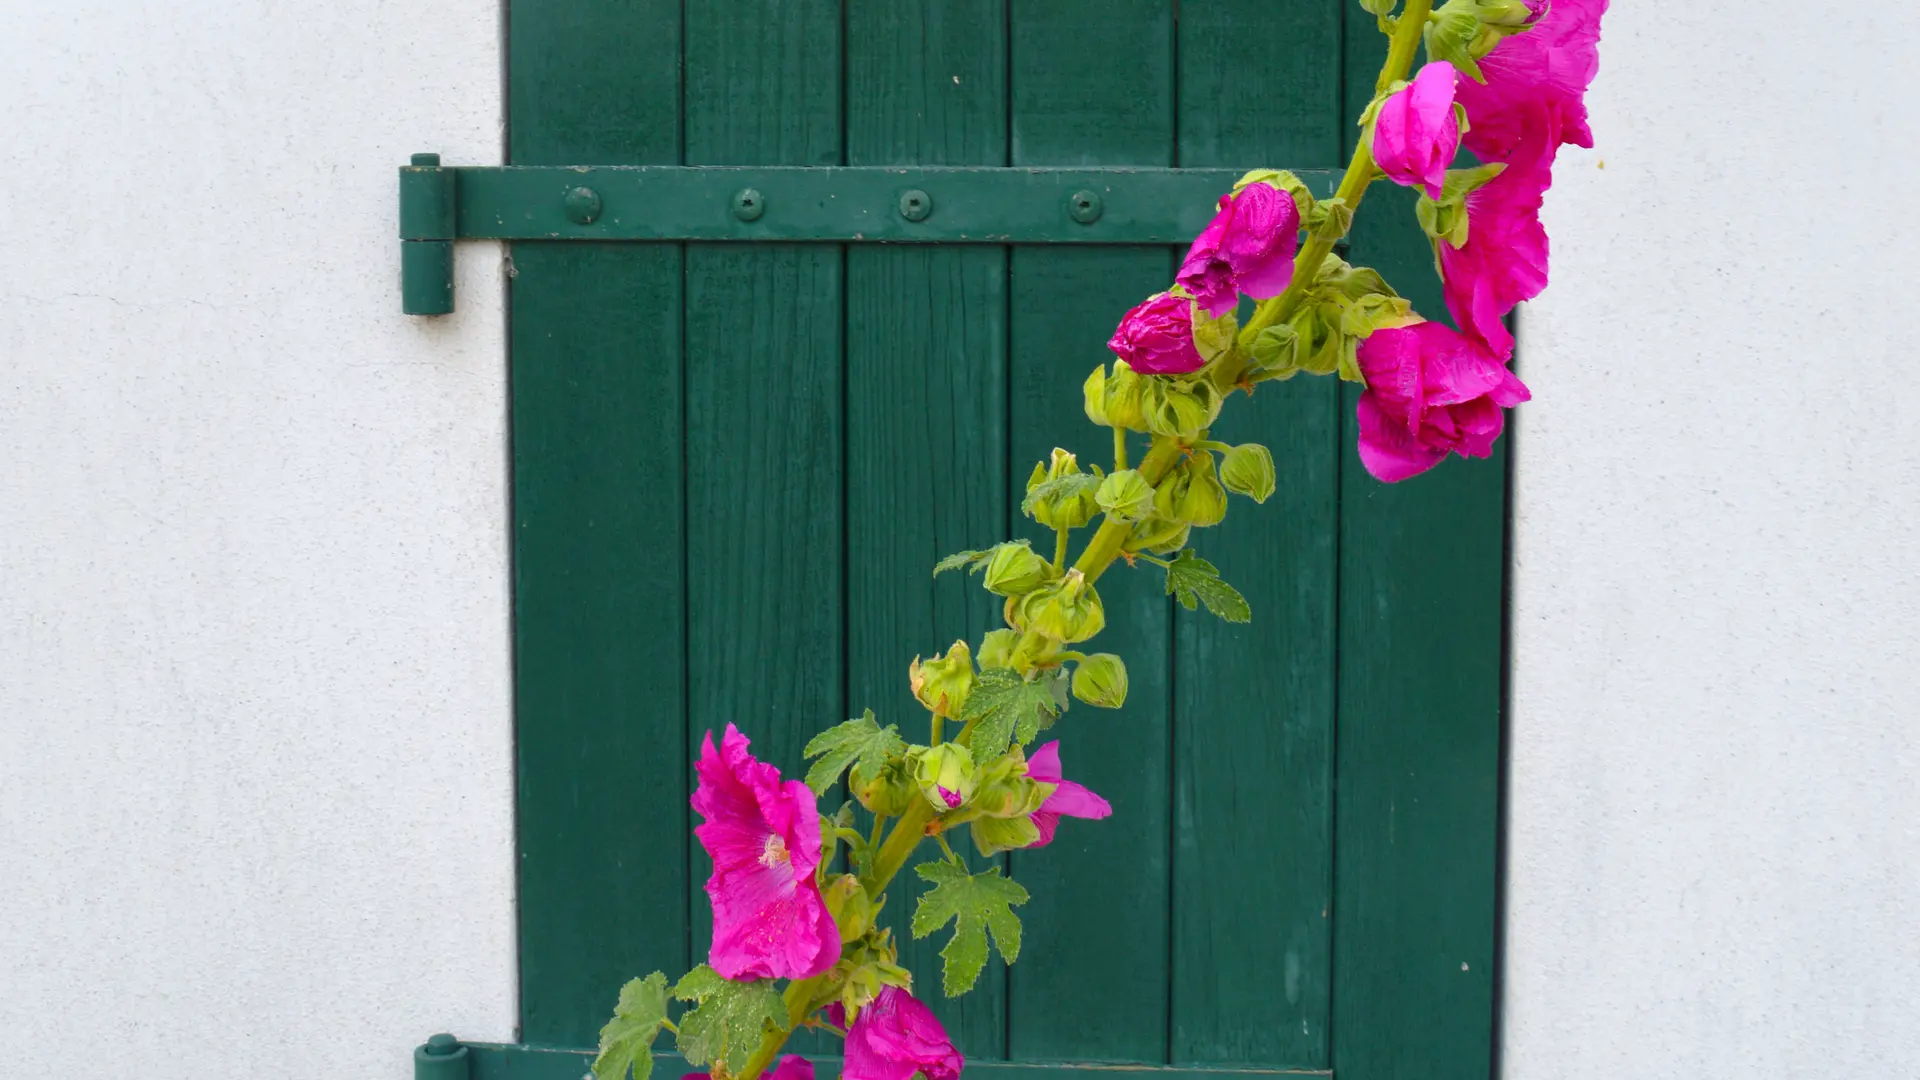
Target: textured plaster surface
{"points": [[255, 771], [1715, 818]]}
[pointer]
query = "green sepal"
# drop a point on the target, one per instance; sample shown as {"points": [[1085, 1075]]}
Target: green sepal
{"points": [[1004, 708], [1445, 221], [728, 1020], [1125, 495], [991, 836], [1192, 579], [1100, 679], [1213, 338], [996, 650], [861, 739], [968, 560], [1381, 8], [975, 904], [626, 1042], [1247, 470]]}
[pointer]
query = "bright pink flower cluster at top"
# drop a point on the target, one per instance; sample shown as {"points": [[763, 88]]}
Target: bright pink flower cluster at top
{"points": [[769, 921], [1432, 391]]}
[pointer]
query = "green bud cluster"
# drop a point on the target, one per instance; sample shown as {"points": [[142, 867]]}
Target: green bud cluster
{"points": [[1463, 32], [1059, 495], [1064, 611], [1344, 306]]}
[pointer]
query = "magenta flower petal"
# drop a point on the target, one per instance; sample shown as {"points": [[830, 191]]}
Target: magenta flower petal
{"points": [[1536, 83], [1416, 134], [793, 1067], [897, 1036], [1248, 248], [1068, 799], [1157, 337], [1504, 260], [1430, 391], [769, 921]]}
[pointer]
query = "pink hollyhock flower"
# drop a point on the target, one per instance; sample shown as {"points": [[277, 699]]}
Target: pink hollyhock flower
{"points": [[769, 921], [791, 1067], [1247, 248], [1430, 391], [1068, 799], [1416, 134], [1504, 260], [894, 1037], [1157, 337], [1536, 81]]}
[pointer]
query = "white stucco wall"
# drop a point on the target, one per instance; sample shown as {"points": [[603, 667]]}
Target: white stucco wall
{"points": [[1715, 817], [255, 778]]}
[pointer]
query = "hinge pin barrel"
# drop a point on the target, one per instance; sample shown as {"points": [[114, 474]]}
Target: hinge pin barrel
{"points": [[426, 236]]}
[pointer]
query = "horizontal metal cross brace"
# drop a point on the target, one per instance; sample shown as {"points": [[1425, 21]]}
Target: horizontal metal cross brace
{"points": [[836, 204]]}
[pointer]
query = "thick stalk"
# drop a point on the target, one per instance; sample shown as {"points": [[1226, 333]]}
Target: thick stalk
{"points": [[1112, 534]]}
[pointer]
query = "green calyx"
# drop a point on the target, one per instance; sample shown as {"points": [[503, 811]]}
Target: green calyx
{"points": [[943, 683], [1178, 408], [1015, 569], [945, 775], [1113, 400], [1125, 495], [1064, 611], [1463, 32], [1059, 495], [1247, 470], [1445, 220], [1192, 493], [1100, 679]]}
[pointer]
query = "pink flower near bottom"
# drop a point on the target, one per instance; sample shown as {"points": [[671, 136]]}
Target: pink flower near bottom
{"points": [[1504, 260], [791, 1067], [769, 921], [1430, 391], [1068, 799], [894, 1037]]}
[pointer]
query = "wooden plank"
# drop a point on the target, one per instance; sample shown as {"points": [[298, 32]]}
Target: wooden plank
{"points": [[598, 601], [1260, 84], [926, 402], [1093, 84], [1416, 818], [1254, 704], [764, 400]]}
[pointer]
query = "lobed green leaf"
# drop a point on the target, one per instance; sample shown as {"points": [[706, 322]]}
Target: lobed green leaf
{"points": [[728, 1021], [1192, 579], [861, 739], [1004, 707], [975, 904], [626, 1042]]}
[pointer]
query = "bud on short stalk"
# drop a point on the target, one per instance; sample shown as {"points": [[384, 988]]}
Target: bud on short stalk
{"points": [[1125, 495], [945, 775], [943, 683], [1159, 536], [1061, 511], [996, 649], [1179, 408], [1015, 570], [1192, 493], [1247, 470], [852, 909], [1064, 611], [889, 789], [1101, 680]]}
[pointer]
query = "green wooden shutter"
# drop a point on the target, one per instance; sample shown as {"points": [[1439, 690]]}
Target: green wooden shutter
{"points": [[735, 463]]}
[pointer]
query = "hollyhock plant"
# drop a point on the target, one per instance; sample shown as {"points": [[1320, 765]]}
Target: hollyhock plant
{"points": [[1156, 337], [1417, 133], [1068, 799], [894, 1037], [1536, 82], [800, 891], [769, 921], [1430, 391], [1248, 248]]}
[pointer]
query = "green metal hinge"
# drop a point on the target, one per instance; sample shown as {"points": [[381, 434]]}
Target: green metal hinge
{"points": [[834, 204], [442, 1058]]}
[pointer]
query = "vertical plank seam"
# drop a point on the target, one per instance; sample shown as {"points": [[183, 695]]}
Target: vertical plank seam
{"points": [[1173, 739], [1504, 761], [1333, 627]]}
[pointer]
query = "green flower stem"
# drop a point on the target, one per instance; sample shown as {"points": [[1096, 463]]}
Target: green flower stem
{"points": [[1119, 449], [802, 997], [1061, 538], [1112, 534], [1353, 186]]}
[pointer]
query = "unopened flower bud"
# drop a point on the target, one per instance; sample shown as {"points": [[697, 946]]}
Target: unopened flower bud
{"points": [[1065, 611], [1247, 470], [1192, 494], [1014, 570], [1101, 679], [996, 649], [852, 909], [1122, 404], [945, 774], [943, 683], [1003, 789], [992, 836], [1062, 509], [887, 790], [1094, 393], [1179, 408], [1125, 495], [1159, 536]]}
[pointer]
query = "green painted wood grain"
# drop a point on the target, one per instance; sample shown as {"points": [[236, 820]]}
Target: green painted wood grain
{"points": [[1416, 817], [598, 602], [764, 334], [1093, 83], [1254, 704], [926, 403]]}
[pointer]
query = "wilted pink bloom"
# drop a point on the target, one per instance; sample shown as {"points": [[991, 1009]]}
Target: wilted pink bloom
{"points": [[1247, 248], [768, 919], [791, 1067], [894, 1037], [1504, 260], [1157, 337], [1068, 799], [1429, 391], [1416, 134], [1536, 83]]}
